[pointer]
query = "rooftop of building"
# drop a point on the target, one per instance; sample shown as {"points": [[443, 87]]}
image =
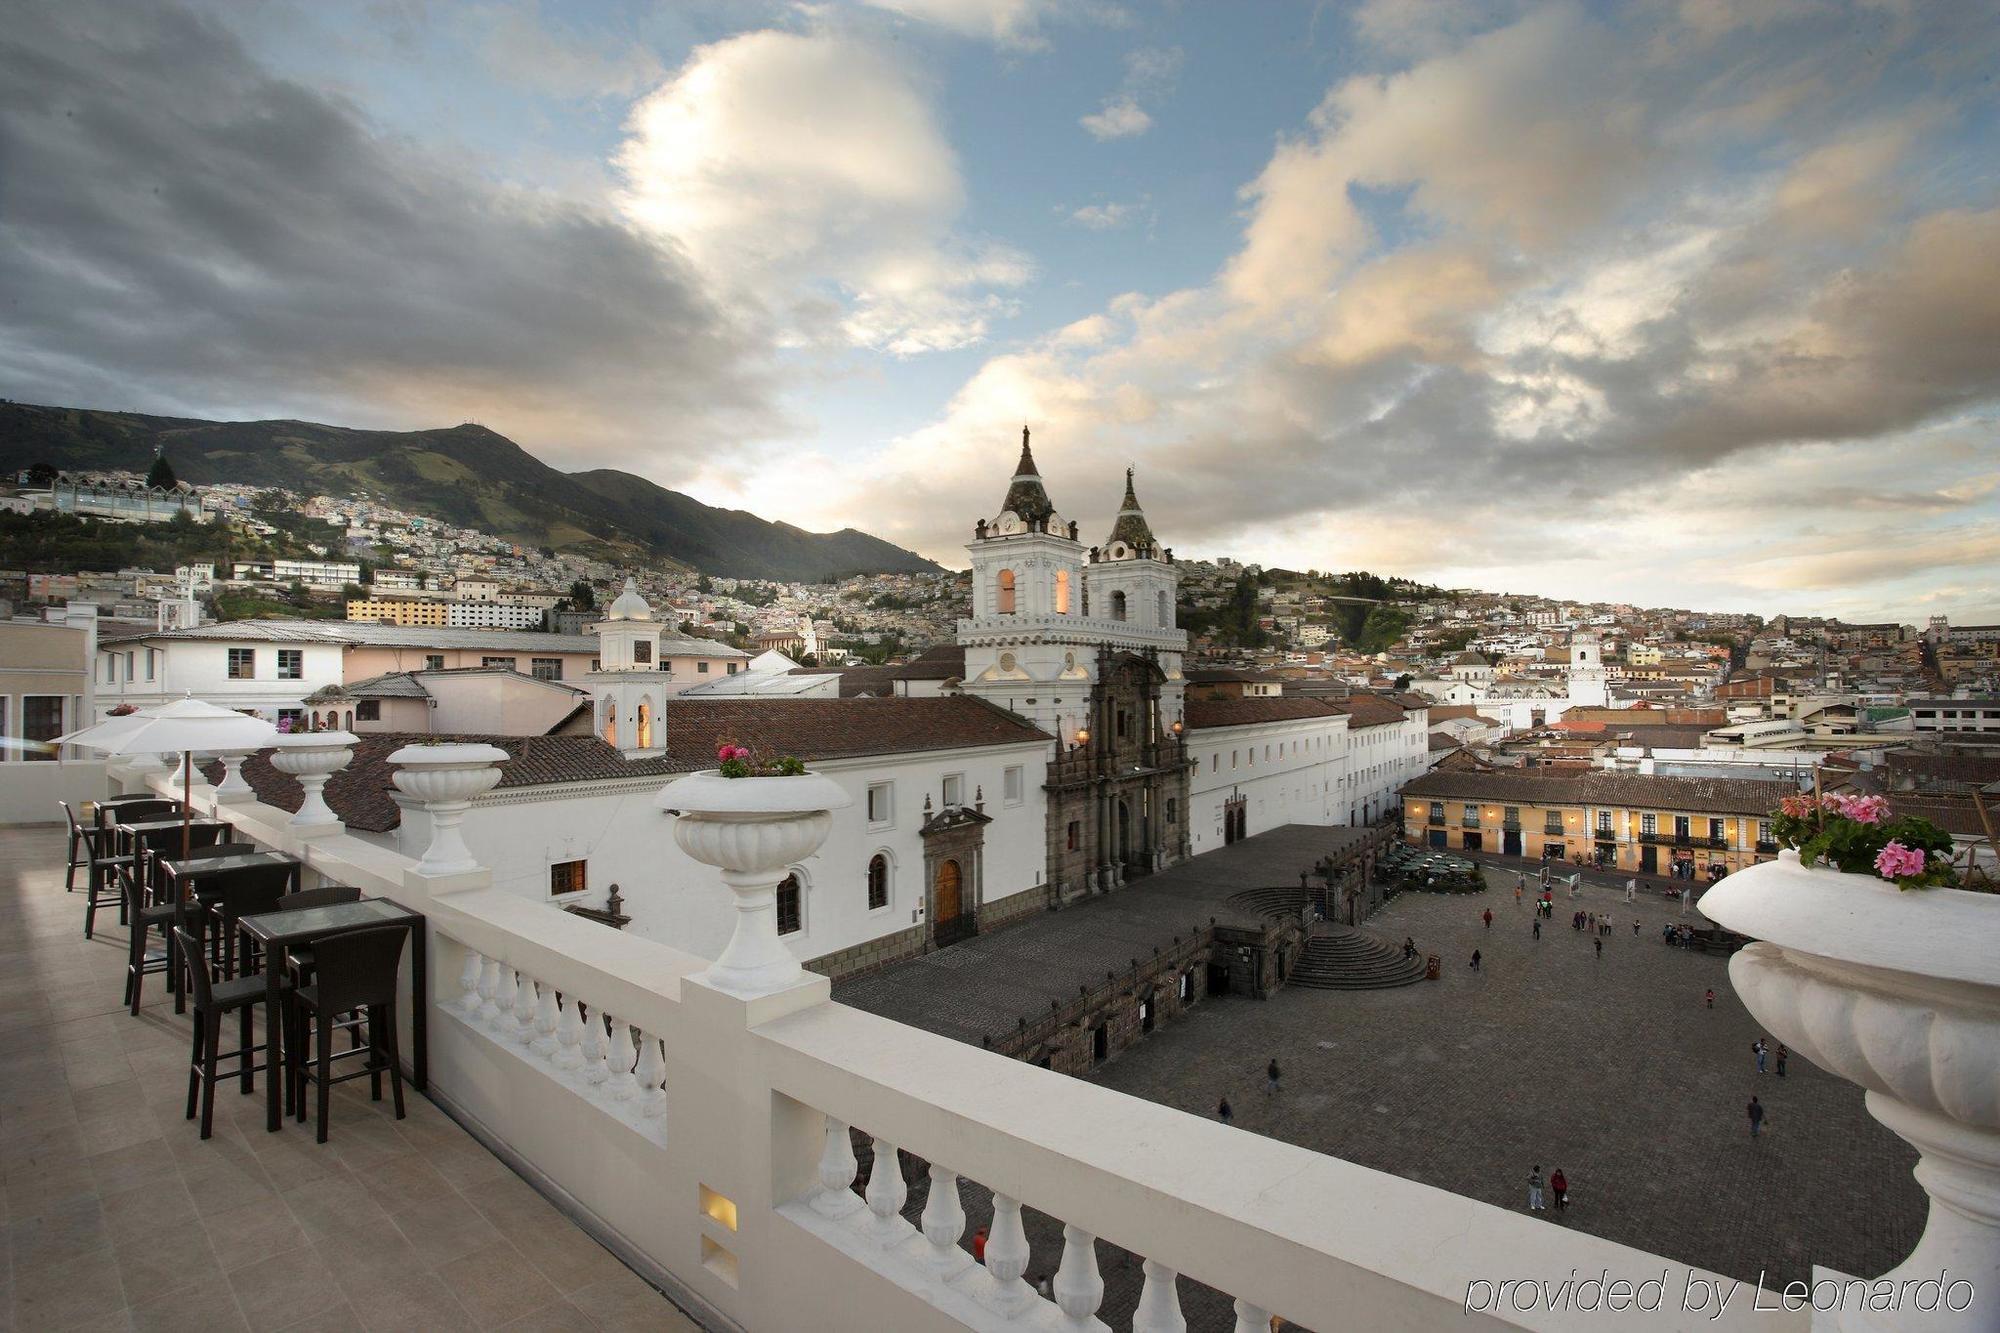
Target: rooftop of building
{"points": [[1746, 796], [359, 634]]}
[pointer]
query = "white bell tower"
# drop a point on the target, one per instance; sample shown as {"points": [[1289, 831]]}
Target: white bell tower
{"points": [[629, 687], [1588, 685]]}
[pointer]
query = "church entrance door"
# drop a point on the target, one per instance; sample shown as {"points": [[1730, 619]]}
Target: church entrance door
{"points": [[952, 922]]}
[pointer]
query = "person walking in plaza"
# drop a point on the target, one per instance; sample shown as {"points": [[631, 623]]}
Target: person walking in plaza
{"points": [[1538, 927], [1635, 928], [1271, 1077], [1487, 917], [1757, 1049], [1604, 924], [1535, 1189], [1475, 960], [1782, 1053], [1599, 942], [1710, 997], [1224, 1114], [1517, 890], [1559, 1189], [1756, 1112]]}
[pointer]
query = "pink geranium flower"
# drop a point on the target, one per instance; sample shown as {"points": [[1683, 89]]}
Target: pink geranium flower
{"points": [[1861, 809], [1897, 861]]}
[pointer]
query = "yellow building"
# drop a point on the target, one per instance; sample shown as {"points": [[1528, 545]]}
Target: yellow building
{"points": [[398, 611], [1638, 822]]}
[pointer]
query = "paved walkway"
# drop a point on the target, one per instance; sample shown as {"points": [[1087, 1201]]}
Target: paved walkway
{"points": [[116, 1215], [984, 986], [1609, 1067]]}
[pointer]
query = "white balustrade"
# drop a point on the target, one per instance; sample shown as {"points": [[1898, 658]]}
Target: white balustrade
{"points": [[837, 1169], [1079, 1289], [651, 1073], [943, 1223], [469, 973], [569, 1036], [525, 1003], [1159, 1301], [624, 1084], [597, 1050], [547, 1020], [887, 1193], [503, 1000], [1251, 1318], [1007, 1256]]}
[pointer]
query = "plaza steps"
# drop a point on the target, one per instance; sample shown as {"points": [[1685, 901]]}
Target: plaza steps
{"points": [[1342, 958]]}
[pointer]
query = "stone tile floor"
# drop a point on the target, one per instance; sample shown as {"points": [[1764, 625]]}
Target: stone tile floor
{"points": [[114, 1214], [1610, 1067]]}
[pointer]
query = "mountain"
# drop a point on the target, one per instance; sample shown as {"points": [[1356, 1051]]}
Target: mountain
{"points": [[466, 475]]}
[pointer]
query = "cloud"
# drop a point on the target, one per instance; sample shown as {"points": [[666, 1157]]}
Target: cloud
{"points": [[1006, 23], [1557, 300], [523, 46], [806, 173], [184, 231], [1103, 217], [1150, 73]]}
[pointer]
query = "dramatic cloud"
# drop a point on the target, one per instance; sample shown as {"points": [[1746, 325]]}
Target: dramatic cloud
{"points": [[1556, 300], [806, 173], [182, 231]]}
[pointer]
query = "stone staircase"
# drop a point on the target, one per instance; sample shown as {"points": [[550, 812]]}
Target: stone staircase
{"points": [[1342, 958]]}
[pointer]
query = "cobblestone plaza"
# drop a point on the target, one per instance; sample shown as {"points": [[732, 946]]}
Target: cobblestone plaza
{"points": [[1610, 1067]]}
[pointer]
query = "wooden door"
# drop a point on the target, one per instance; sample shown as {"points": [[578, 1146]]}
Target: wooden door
{"points": [[949, 897]]}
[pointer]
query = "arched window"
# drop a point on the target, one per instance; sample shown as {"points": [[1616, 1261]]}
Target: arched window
{"points": [[790, 921], [348, 725], [645, 728], [610, 723], [878, 882], [1005, 601], [1062, 592], [1166, 612], [1117, 606]]}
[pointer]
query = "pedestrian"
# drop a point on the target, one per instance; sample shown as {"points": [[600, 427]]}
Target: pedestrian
{"points": [[1710, 997], [1538, 927], [1635, 930], [1599, 942], [1757, 1049], [1475, 960], [1271, 1077], [1487, 917], [1535, 1189], [1631, 890], [1756, 1113], [979, 1245], [1517, 893], [1604, 923], [1559, 1188], [1590, 918], [1224, 1114], [1782, 1053]]}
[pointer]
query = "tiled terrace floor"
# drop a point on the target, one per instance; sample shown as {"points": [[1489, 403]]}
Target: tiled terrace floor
{"points": [[115, 1214]]}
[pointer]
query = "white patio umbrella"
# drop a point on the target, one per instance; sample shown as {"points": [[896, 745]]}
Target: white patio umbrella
{"points": [[185, 725]]}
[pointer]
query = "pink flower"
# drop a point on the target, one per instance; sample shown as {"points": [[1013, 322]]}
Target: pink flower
{"points": [[1861, 809], [1897, 861], [725, 752], [740, 752]]}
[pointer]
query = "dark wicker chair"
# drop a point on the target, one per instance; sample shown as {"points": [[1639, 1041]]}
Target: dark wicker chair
{"points": [[357, 971], [212, 1000]]}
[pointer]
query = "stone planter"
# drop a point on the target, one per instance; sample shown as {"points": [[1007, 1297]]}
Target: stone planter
{"points": [[445, 778], [312, 757], [1899, 992], [233, 789], [753, 830]]}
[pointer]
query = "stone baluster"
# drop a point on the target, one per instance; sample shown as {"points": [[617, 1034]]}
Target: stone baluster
{"points": [[1007, 1257], [887, 1193], [444, 779], [233, 789], [1159, 1302], [547, 1020], [525, 1001], [944, 1223], [651, 1074], [1251, 1318], [489, 984], [624, 1087], [503, 1001], [569, 1036], [837, 1168], [1078, 1288], [597, 1049], [468, 983]]}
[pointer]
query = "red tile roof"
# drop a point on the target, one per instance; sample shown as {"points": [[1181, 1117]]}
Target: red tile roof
{"points": [[1203, 714]]}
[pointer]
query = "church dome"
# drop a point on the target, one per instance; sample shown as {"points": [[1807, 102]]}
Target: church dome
{"points": [[1026, 498], [1131, 536], [630, 605]]}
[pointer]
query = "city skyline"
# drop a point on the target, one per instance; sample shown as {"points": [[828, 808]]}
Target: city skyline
{"points": [[1689, 307]]}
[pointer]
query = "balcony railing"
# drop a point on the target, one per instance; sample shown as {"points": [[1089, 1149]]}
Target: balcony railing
{"points": [[1766, 847], [1650, 837], [1720, 842], [1435, 819], [1468, 823], [1683, 839], [707, 1138], [1511, 825]]}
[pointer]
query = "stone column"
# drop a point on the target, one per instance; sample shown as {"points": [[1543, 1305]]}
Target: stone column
{"points": [[444, 779]]}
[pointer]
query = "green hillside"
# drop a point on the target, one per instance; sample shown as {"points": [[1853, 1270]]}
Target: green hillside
{"points": [[464, 474]]}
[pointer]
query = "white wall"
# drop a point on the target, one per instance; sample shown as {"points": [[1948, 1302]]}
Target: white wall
{"points": [[201, 667], [1301, 781], [618, 829], [29, 791]]}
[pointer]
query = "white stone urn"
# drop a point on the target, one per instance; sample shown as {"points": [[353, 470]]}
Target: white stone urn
{"points": [[445, 778], [1899, 992], [233, 788], [312, 757], [754, 830]]}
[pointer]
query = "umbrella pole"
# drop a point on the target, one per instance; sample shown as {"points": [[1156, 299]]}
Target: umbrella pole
{"points": [[187, 797]]}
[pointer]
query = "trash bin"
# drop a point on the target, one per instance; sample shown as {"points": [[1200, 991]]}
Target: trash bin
{"points": [[1433, 967]]}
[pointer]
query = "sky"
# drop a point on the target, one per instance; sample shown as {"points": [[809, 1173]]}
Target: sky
{"points": [[1683, 303]]}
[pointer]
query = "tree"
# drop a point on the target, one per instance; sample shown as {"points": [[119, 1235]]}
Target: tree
{"points": [[702, 584], [42, 474], [162, 477], [582, 597]]}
